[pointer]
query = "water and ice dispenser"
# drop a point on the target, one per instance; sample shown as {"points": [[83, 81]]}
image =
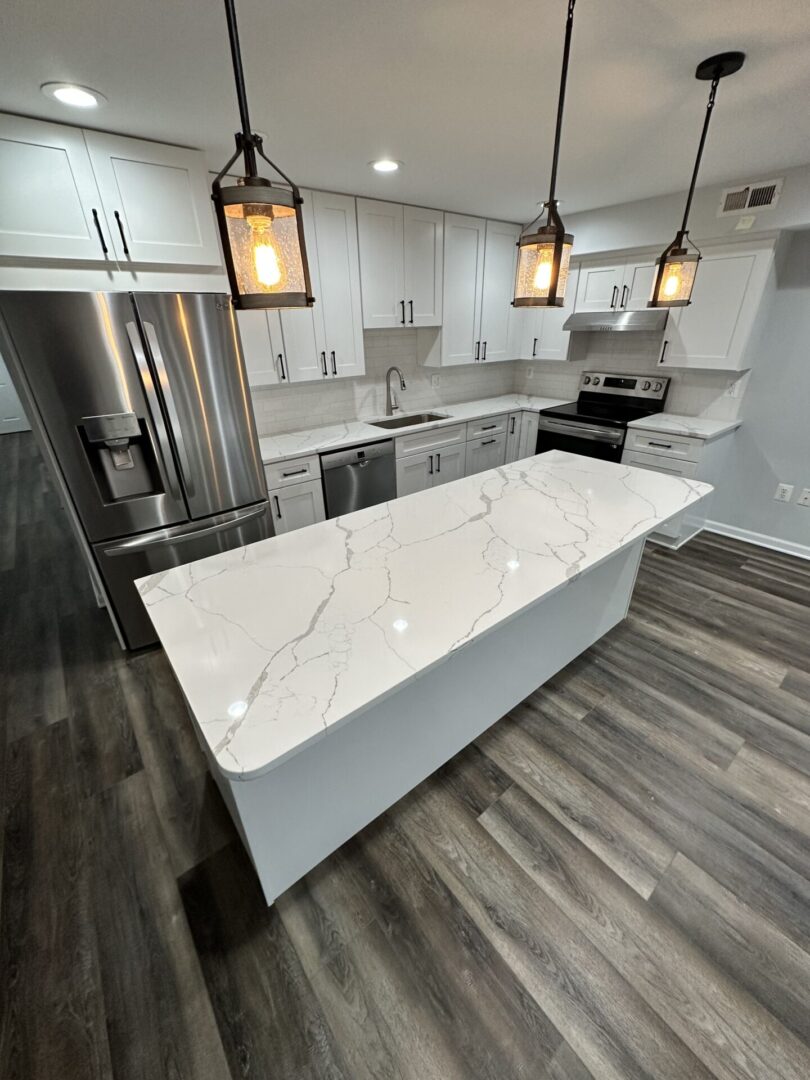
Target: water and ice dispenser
{"points": [[120, 454]]}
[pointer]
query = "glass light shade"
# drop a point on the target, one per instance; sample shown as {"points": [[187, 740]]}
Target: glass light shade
{"points": [[542, 268], [262, 237], [674, 278]]}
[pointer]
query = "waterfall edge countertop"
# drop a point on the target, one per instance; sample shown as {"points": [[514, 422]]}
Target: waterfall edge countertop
{"points": [[278, 643], [351, 432]]}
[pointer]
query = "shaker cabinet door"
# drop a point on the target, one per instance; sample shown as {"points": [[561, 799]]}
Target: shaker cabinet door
{"points": [[379, 232], [497, 312], [423, 255], [296, 506], [463, 278]]}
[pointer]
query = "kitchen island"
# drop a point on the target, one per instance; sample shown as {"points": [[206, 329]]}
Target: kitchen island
{"points": [[330, 670]]}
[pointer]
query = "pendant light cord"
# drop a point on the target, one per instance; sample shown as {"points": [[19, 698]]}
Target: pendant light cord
{"points": [[569, 26], [709, 107]]}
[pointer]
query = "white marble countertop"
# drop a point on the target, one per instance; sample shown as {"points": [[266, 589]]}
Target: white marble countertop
{"points": [[316, 440], [675, 424], [276, 644]]}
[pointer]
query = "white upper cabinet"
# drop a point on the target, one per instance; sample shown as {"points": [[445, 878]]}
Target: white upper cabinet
{"points": [[541, 335], [401, 255], [497, 312], [304, 349], [157, 201], [713, 331], [335, 270], [464, 239], [637, 285], [260, 334], [622, 286], [50, 206]]}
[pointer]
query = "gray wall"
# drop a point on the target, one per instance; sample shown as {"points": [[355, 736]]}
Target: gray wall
{"points": [[773, 444]]}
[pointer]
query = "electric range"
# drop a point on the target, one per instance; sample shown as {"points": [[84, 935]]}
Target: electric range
{"points": [[596, 423]]}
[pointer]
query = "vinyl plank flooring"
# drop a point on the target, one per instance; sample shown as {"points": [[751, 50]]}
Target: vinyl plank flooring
{"points": [[159, 1017], [270, 1020], [723, 1026], [781, 792], [565, 1065], [53, 1021], [771, 967]]}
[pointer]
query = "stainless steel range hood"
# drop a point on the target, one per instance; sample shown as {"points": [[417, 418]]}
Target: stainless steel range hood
{"points": [[650, 320]]}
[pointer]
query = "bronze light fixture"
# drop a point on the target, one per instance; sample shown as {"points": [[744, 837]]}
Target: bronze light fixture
{"points": [[544, 255], [677, 267], [260, 225]]}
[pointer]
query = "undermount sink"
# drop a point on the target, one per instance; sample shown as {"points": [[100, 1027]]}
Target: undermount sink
{"points": [[409, 421]]}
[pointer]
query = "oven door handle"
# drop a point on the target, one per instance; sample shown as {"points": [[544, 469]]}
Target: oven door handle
{"points": [[581, 431]]}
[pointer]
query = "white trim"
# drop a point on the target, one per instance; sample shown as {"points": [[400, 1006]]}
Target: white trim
{"points": [[801, 551]]}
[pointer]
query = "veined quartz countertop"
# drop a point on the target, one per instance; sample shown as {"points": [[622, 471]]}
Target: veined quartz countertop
{"points": [[674, 424], [277, 643], [316, 440]]}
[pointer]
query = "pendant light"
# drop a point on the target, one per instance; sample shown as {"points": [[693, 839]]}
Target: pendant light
{"points": [[544, 255], [677, 267], [260, 225]]}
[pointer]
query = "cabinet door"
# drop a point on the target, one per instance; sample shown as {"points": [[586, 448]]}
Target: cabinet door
{"points": [[463, 279], [599, 288], [500, 255], [637, 286], [50, 206], [483, 454], [304, 352], [528, 435], [449, 464], [713, 330], [551, 341], [12, 415], [423, 254], [414, 473], [334, 219], [380, 237], [513, 436], [258, 347], [157, 201], [296, 506]]}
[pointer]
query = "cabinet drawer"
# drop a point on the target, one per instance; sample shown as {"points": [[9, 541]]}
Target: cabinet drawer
{"points": [[489, 426], [682, 447], [660, 464], [421, 442], [296, 471]]}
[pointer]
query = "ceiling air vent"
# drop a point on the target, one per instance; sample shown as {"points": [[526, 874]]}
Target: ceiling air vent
{"points": [[759, 196]]}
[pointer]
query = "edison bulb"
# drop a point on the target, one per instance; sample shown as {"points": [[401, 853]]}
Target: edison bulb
{"points": [[265, 257], [673, 282], [542, 276]]}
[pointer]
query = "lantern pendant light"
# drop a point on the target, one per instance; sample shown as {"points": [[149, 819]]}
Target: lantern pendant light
{"points": [[677, 268], [544, 255], [260, 225]]}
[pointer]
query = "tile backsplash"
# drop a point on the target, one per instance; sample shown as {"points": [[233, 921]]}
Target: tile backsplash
{"points": [[309, 405]]}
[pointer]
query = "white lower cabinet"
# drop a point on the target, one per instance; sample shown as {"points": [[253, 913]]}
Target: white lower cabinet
{"points": [[528, 435], [420, 471], [486, 453], [298, 505], [513, 427]]}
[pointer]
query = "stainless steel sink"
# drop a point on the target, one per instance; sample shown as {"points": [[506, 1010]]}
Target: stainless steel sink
{"points": [[409, 421]]}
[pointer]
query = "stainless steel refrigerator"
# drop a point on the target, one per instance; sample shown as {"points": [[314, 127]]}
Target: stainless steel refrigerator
{"points": [[142, 408]]}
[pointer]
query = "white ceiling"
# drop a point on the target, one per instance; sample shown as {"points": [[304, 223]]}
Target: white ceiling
{"points": [[462, 91]]}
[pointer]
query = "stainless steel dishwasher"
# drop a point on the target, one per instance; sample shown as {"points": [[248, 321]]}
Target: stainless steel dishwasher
{"points": [[363, 476]]}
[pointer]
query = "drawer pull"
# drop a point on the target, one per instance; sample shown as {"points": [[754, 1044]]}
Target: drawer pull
{"points": [[663, 445], [489, 427], [295, 472], [488, 442]]}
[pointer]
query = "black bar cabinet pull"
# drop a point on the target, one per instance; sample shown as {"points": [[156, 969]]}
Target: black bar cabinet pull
{"points": [[614, 296], [121, 230], [278, 508], [402, 302], [438, 463], [334, 365], [410, 304], [512, 428], [489, 427], [293, 472], [477, 349], [484, 351], [323, 364], [281, 365], [625, 291], [663, 445], [534, 349], [430, 465], [100, 233], [663, 351], [488, 442]]}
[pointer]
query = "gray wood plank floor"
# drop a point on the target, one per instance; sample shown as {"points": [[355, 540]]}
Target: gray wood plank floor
{"points": [[613, 882]]}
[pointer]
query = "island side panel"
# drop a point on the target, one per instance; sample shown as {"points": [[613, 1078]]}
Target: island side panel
{"points": [[293, 816]]}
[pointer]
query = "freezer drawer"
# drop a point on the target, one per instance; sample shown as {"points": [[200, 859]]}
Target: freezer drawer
{"points": [[121, 562]]}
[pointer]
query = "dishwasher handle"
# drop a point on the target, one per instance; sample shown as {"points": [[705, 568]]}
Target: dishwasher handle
{"points": [[357, 455]]}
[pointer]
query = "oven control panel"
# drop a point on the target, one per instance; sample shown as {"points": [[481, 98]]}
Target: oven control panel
{"points": [[650, 388]]}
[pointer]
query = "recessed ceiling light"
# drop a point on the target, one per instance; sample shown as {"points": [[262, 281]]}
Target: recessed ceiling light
{"points": [[79, 97], [385, 165]]}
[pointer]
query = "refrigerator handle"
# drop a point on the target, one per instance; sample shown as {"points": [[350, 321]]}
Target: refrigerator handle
{"points": [[179, 534], [168, 397], [154, 409]]}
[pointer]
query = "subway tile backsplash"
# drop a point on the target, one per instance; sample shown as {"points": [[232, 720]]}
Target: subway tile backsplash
{"points": [[315, 404]]}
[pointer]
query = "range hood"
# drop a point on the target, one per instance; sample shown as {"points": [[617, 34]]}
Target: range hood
{"points": [[649, 320]]}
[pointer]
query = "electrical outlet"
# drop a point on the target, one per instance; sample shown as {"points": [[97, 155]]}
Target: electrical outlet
{"points": [[435, 380], [804, 498], [784, 492], [530, 373]]}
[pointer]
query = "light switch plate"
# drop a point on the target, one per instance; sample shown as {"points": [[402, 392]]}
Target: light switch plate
{"points": [[804, 498]]}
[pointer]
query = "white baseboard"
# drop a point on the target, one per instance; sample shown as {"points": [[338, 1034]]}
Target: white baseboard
{"points": [[788, 547]]}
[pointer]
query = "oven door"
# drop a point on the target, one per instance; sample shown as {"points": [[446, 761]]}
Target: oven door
{"points": [[591, 440]]}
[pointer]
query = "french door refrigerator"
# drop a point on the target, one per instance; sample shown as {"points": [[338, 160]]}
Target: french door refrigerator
{"points": [[142, 408]]}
